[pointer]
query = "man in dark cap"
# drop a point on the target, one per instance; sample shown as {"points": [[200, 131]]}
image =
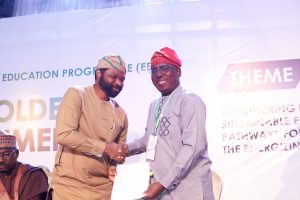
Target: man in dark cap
{"points": [[91, 130], [17, 180], [175, 140]]}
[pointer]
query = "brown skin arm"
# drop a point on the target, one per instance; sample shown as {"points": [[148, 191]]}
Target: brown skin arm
{"points": [[153, 190], [123, 151], [112, 172]]}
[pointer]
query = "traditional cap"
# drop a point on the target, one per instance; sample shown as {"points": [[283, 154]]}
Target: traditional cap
{"points": [[112, 62], [7, 141], [167, 56]]}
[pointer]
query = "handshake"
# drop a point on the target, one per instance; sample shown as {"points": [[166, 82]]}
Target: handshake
{"points": [[117, 152]]}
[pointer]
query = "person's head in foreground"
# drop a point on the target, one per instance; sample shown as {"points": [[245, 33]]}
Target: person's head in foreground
{"points": [[110, 75], [165, 70], [8, 152]]}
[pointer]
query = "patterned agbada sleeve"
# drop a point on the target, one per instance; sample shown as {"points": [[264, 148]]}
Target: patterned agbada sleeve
{"points": [[33, 184], [137, 146], [67, 124]]}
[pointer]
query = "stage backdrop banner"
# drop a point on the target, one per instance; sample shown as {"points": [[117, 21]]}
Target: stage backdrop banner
{"points": [[241, 57]]}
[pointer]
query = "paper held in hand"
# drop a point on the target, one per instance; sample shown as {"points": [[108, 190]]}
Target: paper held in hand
{"points": [[131, 181]]}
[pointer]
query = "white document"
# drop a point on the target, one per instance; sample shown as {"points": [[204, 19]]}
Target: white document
{"points": [[131, 181]]}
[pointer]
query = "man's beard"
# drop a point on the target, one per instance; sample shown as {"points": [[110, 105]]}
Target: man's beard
{"points": [[108, 89]]}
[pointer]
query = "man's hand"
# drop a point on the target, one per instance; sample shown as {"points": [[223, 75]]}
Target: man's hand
{"points": [[112, 172], [153, 190], [117, 152], [123, 149]]}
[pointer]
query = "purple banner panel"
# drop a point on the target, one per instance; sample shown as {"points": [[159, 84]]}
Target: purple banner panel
{"points": [[266, 75]]}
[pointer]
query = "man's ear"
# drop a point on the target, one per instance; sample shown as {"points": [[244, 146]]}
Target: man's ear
{"points": [[17, 153], [97, 75], [178, 71]]}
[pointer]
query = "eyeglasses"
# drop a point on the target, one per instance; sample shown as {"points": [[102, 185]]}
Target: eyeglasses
{"points": [[7, 155], [162, 69]]}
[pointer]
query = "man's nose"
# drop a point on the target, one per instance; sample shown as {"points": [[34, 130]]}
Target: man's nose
{"points": [[159, 72]]}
